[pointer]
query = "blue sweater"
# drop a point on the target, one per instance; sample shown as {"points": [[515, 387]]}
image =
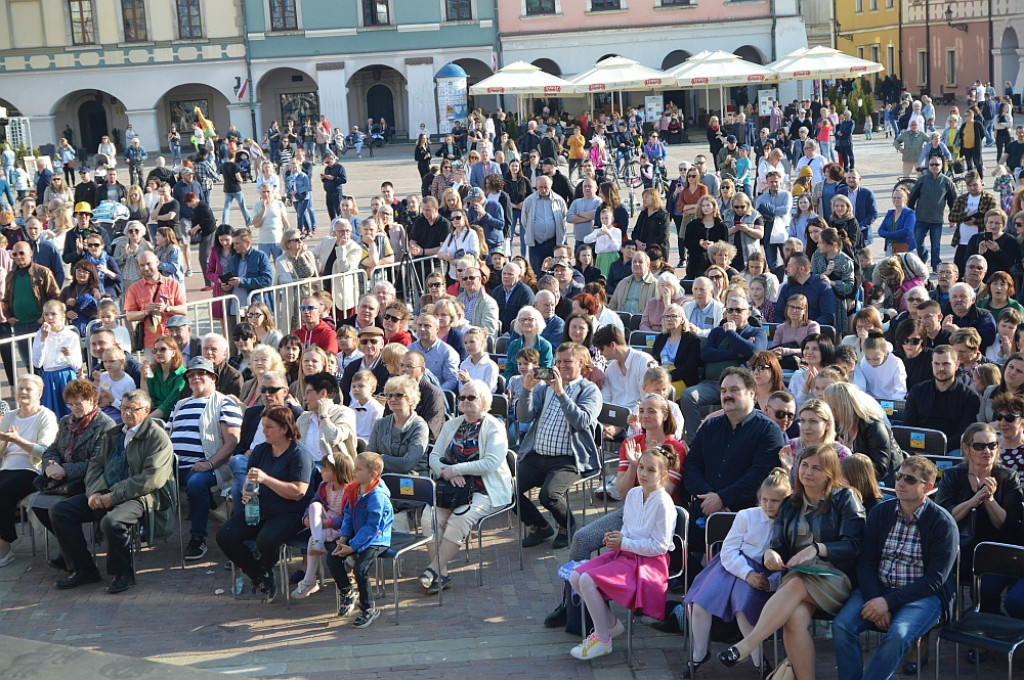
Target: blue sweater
{"points": [[821, 300], [368, 521]]}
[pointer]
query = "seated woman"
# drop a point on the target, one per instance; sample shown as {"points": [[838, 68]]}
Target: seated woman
{"points": [[396, 322], [634, 570], [1007, 323], [817, 353], [451, 318], [865, 322], [790, 334], [911, 341], [735, 584], [25, 433], [1009, 408], [1001, 294], [529, 325], [469, 451], [984, 498], [821, 525], [401, 437], [669, 292], [677, 349], [861, 423], [280, 472], [817, 428], [262, 359], [79, 437], [312, 360]]}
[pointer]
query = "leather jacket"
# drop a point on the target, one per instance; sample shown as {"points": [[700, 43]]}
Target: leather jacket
{"points": [[840, 528]]}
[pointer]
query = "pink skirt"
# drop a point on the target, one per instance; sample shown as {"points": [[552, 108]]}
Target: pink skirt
{"points": [[634, 581]]}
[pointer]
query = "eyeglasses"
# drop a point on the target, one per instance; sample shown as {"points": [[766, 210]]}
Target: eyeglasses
{"points": [[671, 317], [467, 397], [761, 367], [271, 390], [907, 479], [394, 395], [981, 446], [308, 308], [392, 318], [913, 342], [976, 267], [1008, 417], [716, 277], [368, 341], [785, 415], [94, 245], [253, 315], [132, 409], [158, 350], [295, 240], [735, 310]]}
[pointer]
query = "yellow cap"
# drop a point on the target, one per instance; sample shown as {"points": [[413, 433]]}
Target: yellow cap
{"points": [[83, 207]]}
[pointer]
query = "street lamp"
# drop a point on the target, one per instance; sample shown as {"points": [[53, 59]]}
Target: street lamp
{"points": [[949, 20]]}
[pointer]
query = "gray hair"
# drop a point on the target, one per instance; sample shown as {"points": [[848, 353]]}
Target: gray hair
{"points": [[388, 286], [918, 292], [977, 259], [537, 317], [217, 339], [138, 397], [481, 390], [275, 376], [962, 286], [34, 379]]}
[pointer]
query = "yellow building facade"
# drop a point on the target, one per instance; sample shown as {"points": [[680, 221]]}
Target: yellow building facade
{"points": [[870, 29]]}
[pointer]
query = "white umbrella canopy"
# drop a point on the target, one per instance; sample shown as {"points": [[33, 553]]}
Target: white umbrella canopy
{"points": [[620, 73], [718, 69], [821, 63], [522, 78]]}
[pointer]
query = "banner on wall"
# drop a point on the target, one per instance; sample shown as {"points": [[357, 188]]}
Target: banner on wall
{"points": [[452, 96]]}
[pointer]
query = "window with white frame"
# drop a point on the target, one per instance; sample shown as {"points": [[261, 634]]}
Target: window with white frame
{"points": [[539, 7], [601, 5], [283, 16], [890, 58]]}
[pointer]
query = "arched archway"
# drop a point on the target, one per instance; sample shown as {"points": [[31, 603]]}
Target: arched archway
{"points": [[373, 85], [1009, 61], [476, 71], [288, 94], [750, 53], [177, 106], [674, 58], [88, 115], [548, 66]]}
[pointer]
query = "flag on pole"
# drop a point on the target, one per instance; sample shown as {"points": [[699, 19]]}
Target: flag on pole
{"points": [[242, 90]]}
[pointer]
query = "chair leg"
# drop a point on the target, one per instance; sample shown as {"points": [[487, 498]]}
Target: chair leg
{"points": [[480, 555], [629, 639], [394, 574]]}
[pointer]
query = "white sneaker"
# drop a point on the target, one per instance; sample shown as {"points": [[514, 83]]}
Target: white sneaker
{"points": [[617, 630], [7, 559], [305, 589], [591, 648]]}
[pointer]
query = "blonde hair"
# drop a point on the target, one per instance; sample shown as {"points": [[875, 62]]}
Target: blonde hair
{"points": [[714, 202], [823, 411]]}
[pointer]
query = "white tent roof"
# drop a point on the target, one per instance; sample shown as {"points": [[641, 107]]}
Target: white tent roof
{"points": [[821, 63], [522, 78], [619, 73], [719, 69]]}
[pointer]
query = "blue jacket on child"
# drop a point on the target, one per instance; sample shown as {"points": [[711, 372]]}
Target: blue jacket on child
{"points": [[368, 521]]}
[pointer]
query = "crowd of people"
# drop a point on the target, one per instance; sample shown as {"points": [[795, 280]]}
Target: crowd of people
{"points": [[757, 388]]}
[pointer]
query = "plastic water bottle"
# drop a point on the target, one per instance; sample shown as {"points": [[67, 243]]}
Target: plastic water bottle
{"points": [[252, 508]]}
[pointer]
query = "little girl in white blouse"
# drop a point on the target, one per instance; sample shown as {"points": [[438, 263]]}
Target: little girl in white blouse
{"points": [[57, 350]]}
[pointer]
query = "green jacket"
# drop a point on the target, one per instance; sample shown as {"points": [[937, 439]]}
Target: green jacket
{"points": [[151, 462]]}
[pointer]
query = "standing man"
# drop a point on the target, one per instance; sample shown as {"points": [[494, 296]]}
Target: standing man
{"points": [[250, 267], [583, 211], [865, 209], [931, 194], [28, 287], [811, 159], [560, 444], [967, 216], [135, 155], [969, 140], [204, 224], [905, 575], [122, 484], [543, 219], [333, 178], [774, 204], [153, 300], [428, 230], [44, 253], [233, 191]]}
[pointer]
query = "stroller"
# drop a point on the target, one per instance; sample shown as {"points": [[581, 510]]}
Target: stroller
{"points": [[244, 164]]}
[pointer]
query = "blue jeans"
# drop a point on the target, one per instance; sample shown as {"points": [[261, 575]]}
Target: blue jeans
{"points": [[272, 250], [238, 198], [302, 211], [922, 229], [197, 487], [539, 252], [909, 622], [176, 155]]}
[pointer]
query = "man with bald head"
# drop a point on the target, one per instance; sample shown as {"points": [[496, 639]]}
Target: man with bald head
{"points": [[703, 313], [29, 287], [44, 253], [153, 299], [511, 295]]}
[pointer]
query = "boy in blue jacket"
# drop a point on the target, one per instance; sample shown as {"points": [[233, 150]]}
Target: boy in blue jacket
{"points": [[365, 526]]}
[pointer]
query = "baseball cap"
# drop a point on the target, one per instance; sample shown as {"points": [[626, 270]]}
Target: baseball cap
{"points": [[731, 139]]}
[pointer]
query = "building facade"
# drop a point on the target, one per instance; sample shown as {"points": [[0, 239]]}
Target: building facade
{"points": [[567, 37], [870, 29]]}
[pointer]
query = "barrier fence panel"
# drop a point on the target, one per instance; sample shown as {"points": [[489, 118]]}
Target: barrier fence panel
{"points": [[408, 277], [284, 298], [16, 353]]}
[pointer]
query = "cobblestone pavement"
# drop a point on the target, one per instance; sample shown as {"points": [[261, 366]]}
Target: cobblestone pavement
{"points": [[188, 618]]}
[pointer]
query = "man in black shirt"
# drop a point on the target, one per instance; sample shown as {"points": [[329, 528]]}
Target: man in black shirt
{"points": [[232, 191], [334, 179], [85, 190], [944, 403], [428, 230], [204, 224], [161, 173], [1014, 154]]}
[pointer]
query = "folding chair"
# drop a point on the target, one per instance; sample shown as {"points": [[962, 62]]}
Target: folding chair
{"points": [[943, 463], [894, 408], [769, 328], [642, 340], [499, 407], [501, 344], [450, 402], [982, 630], [920, 440], [512, 462], [634, 322], [680, 543], [25, 515], [616, 416], [626, 318], [686, 285], [418, 490], [829, 332], [595, 473], [500, 385], [715, 531]]}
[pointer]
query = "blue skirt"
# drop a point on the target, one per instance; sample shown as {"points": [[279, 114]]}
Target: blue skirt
{"points": [[724, 595], [54, 383]]}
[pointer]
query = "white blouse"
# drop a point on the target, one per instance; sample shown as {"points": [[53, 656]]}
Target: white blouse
{"points": [[648, 526], [47, 355], [750, 536]]}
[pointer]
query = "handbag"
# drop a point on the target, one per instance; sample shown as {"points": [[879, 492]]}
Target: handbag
{"points": [[451, 497], [900, 248], [784, 671]]}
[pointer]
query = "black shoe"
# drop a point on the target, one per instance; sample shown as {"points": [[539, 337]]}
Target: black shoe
{"points": [[538, 536], [686, 674], [121, 583], [268, 587], [78, 578], [561, 540], [557, 618], [442, 582], [58, 563], [196, 549], [729, 657]]}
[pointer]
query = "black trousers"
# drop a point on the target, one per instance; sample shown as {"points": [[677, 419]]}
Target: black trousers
{"points": [[67, 518], [972, 158], [553, 475], [14, 486], [270, 534], [364, 563]]}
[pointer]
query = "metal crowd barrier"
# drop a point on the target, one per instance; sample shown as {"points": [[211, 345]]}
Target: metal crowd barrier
{"points": [[408, 277], [9, 352], [284, 298]]}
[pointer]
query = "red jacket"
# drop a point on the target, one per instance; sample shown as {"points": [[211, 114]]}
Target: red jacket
{"points": [[323, 336]]}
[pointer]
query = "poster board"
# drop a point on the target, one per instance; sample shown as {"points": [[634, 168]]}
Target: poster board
{"points": [[654, 105], [764, 107]]}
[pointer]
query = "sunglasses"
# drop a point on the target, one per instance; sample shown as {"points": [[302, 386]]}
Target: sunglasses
{"points": [[467, 397], [735, 310], [295, 240], [981, 446], [394, 395], [469, 278], [271, 390], [368, 341], [1008, 417], [308, 308], [907, 479], [784, 415], [456, 218], [94, 245], [761, 367], [391, 318], [716, 277], [913, 342]]}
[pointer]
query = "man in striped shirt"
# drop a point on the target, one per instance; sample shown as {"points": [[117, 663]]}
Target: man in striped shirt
{"points": [[205, 429]]}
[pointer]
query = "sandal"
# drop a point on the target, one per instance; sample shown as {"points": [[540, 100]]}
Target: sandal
{"points": [[427, 578]]}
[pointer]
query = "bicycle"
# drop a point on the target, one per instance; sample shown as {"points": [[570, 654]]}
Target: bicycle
{"points": [[959, 181]]}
